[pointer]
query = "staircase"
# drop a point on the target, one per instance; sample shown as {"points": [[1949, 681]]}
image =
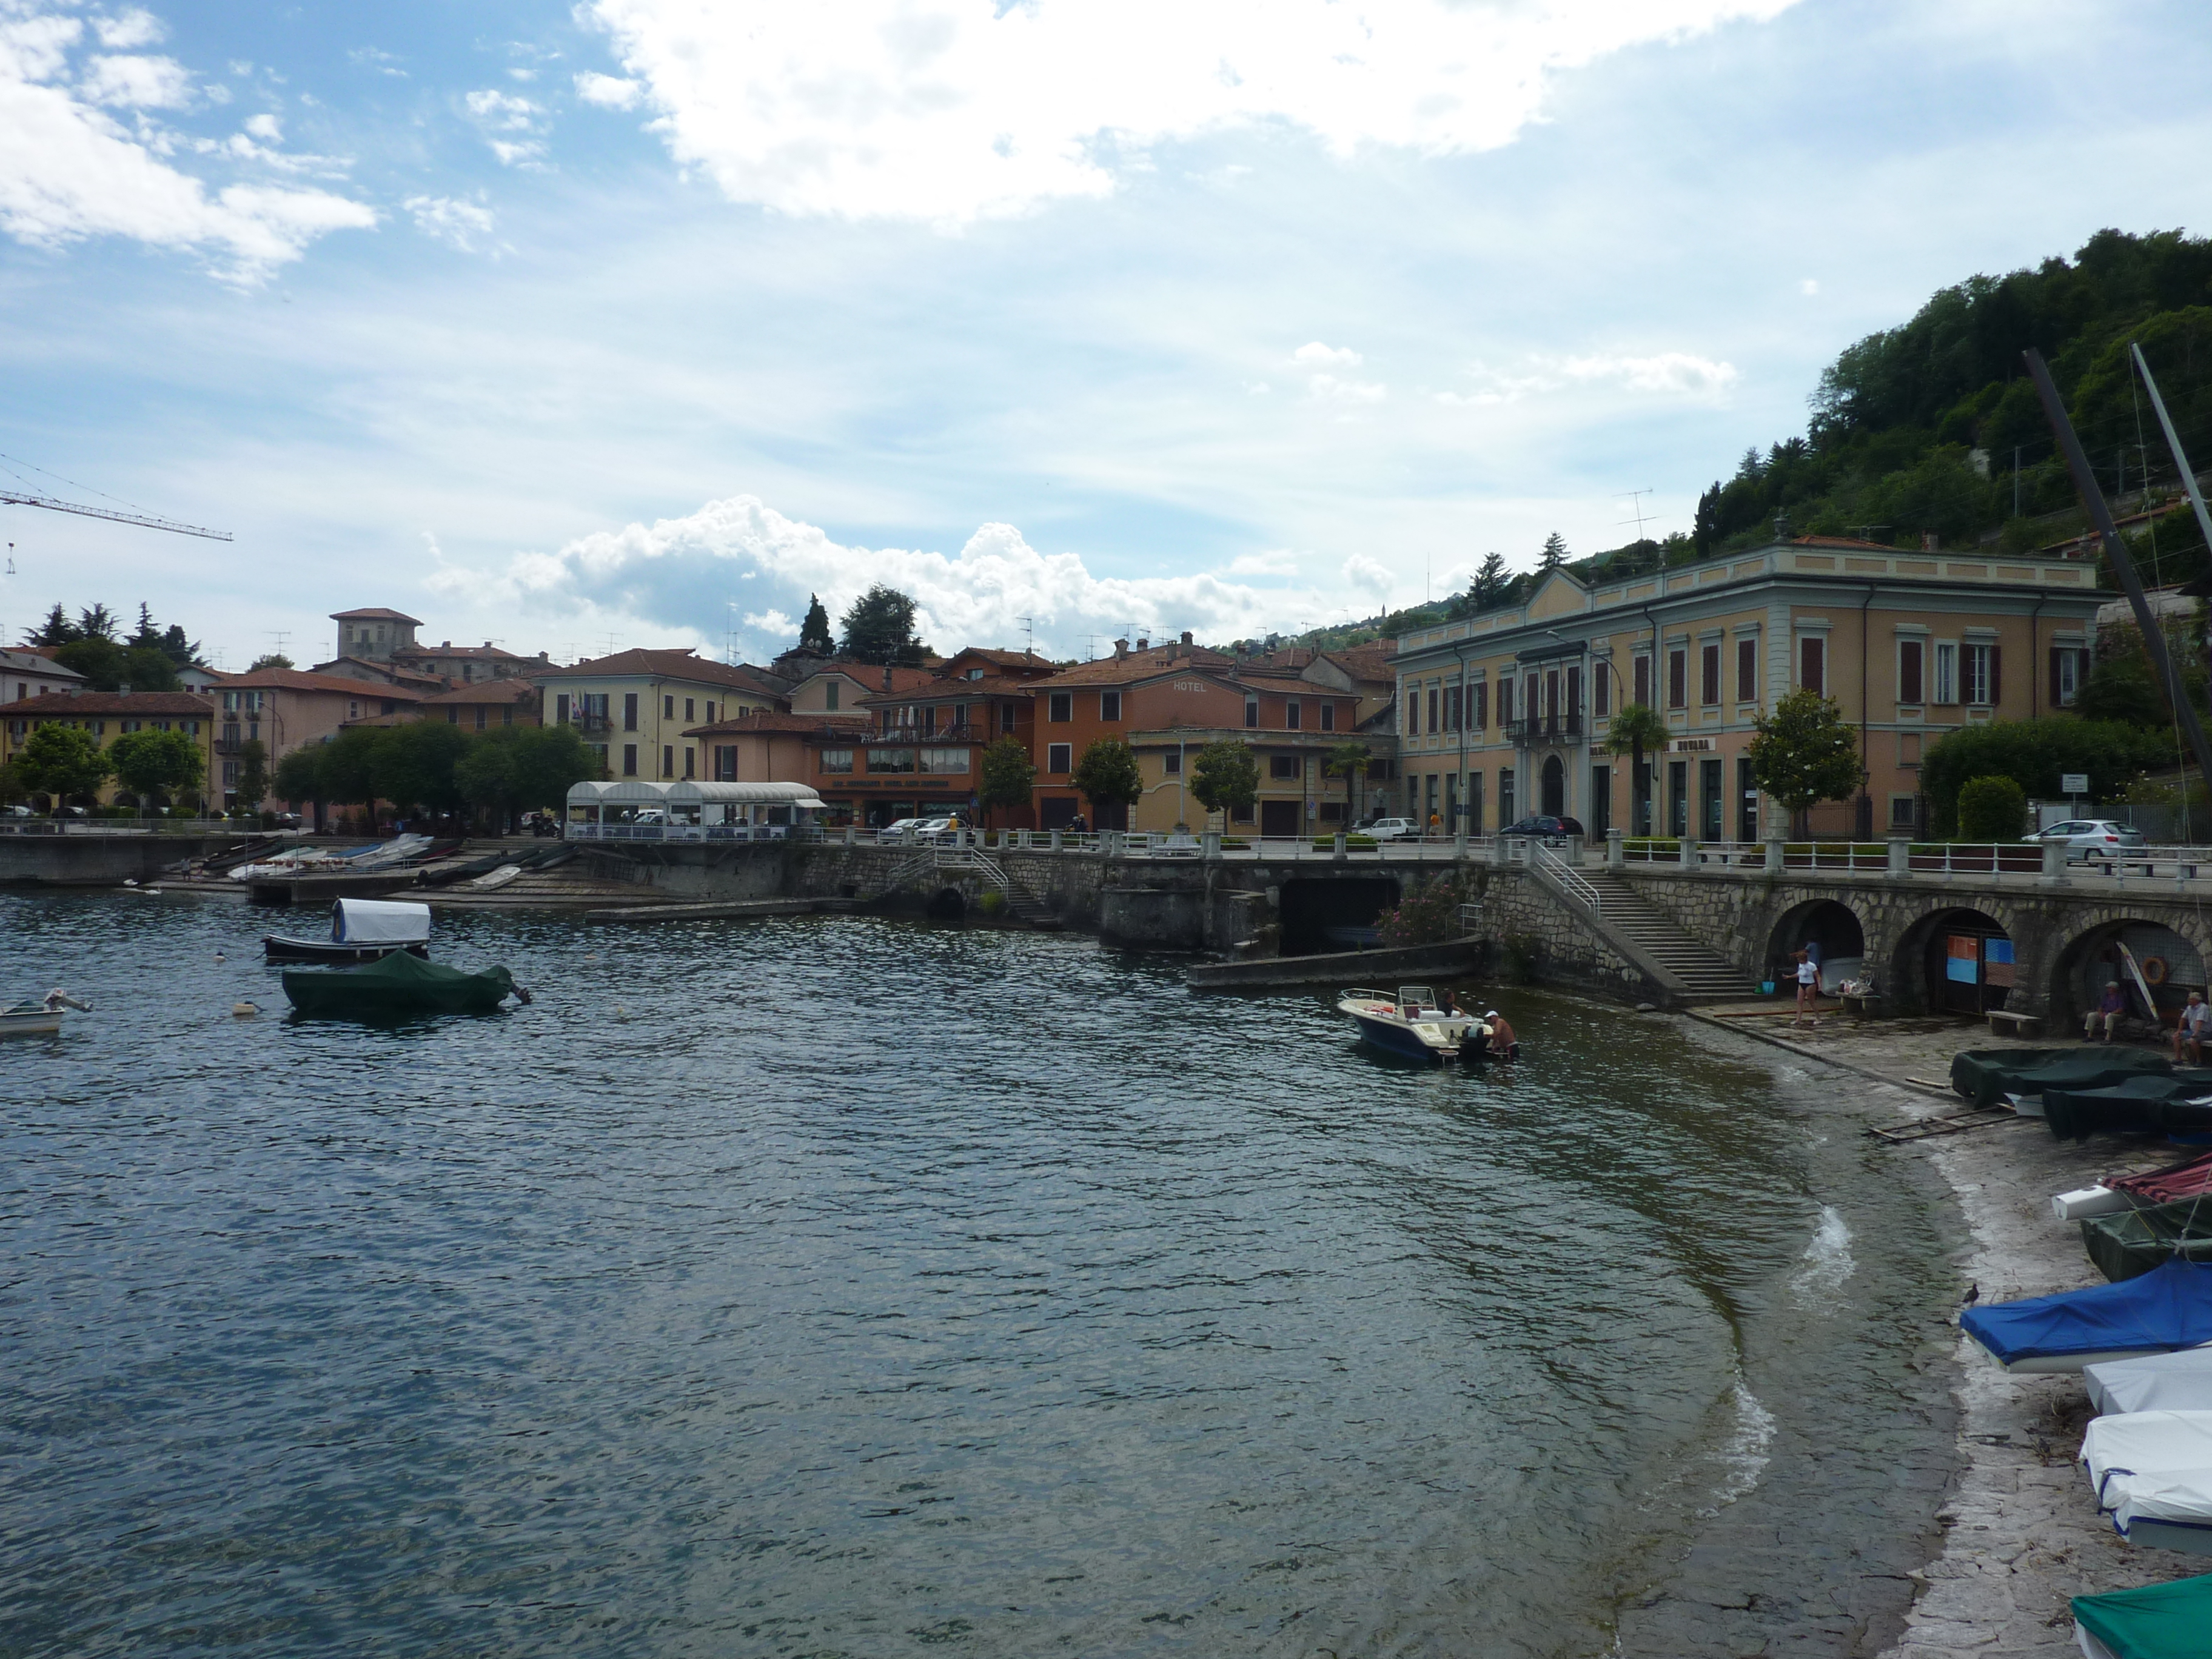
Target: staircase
{"points": [[1024, 904], [1703, 973]]}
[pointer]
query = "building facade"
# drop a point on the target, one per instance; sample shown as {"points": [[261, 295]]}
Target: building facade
{"points": [[374, 634], [1508, 713], [104, 716], [282, 708], [25, 674], [637, 707]]}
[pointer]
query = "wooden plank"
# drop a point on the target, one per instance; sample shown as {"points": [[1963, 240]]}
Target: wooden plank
{"points": [[1927, 1127]]}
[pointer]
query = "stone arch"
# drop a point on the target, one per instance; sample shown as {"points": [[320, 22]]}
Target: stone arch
{"points": [[1931, 971], [1834, 924], [947, 904], [2178, 958]]}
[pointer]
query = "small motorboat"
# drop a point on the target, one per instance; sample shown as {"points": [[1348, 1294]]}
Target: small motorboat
{"points": [[491, 881], [39, 1019], [1412, 1024], [2127, 1244], [2168, 1308], [362, 930], [2152, 1472], [397, 987], [2158, 1621]]}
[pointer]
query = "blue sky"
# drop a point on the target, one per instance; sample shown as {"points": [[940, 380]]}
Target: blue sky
{"points": [[641, 320]]}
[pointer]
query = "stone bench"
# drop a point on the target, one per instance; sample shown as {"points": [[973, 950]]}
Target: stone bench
{"points": [[2003, 1023]]}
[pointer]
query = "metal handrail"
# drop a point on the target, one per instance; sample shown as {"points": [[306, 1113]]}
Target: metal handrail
{"points": [[1567, 876]]}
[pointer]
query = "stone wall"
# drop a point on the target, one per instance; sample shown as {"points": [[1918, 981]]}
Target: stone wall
{"points": [[1535, 932], [85, 861]]}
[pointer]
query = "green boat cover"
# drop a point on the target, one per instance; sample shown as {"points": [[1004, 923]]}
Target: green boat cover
{"points": [[1986, 1076], [2143, 1102], [399, 984], [2158, 1621], [2129, 1242]]}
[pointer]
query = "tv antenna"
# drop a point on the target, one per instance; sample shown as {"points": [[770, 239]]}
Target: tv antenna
{"points": [[1635, 498], [1029, 633], [283, 638]]}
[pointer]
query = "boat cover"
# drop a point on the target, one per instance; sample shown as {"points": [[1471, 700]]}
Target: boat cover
{"points": [[2132, 1242], [2169, 1307], [2176, 1181], [2178, 1382], [1986, 1076], [2158, 1621], [379, 921], [2152, 1465], [2142, 1102], [398, 984]]}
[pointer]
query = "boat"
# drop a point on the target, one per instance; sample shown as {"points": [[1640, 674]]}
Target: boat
{"points": [[2190, 1178], [41, 1019], [1986, 1076], [2145, 1103], [2131, 1243], [362, 930], [397, 986], [2168, 1308], [1412, 1024], [495, 880], [2152, 1472], [2158, 1621], [2177, 1381]]}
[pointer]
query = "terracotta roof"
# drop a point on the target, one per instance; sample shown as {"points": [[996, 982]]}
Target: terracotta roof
{"points": [[381, 673], [1003, 659], [1365, 662], [830, 726], [1847, 541], [291, 679], [952, 690], [871, 675], [685, 664], [30, 662], [1290, 657], [65, 703], [374, 613], [1139, 665], [486, 650], [513, 688]]}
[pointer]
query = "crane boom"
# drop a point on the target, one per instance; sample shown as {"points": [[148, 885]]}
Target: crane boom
{"points": [[9, 498]]}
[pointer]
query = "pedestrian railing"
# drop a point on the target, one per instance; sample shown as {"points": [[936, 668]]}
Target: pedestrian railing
{"points": [[1544, 859]]}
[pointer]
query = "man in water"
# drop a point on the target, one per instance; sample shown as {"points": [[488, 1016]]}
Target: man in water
{"points": [[2110, 1009], [1504, 1045], [2189, 1033]]}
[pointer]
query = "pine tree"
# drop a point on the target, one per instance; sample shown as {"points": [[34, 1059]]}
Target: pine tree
{"points": [[1555, 553], [814, 632], [57, 630]]}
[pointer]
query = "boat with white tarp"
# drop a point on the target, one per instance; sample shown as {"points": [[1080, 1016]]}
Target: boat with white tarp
{"points": [[2153, 1475], [2177, 1382], [362, 930]]}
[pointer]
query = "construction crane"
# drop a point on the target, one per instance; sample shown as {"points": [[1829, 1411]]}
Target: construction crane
{"points": [[10, 498]]}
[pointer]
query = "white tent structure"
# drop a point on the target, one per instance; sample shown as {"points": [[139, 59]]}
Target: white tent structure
{"points": [[685, 811], [379, 921]]}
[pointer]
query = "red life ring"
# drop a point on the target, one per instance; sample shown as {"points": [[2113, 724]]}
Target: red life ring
{"points": [[2154, 970]]}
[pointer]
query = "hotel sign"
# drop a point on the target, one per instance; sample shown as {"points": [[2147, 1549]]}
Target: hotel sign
{"points": [[1689, 745]]}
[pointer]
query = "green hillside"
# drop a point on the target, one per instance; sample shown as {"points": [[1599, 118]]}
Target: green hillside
{"points": [[1933, 427]]}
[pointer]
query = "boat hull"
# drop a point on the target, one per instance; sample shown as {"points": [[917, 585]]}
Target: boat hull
{"points": [[37, 1023], [1399, 1040], [400, 987]]}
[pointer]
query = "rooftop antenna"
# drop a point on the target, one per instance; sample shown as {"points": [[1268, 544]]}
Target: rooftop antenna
{"points": [[1635, 507], [1029, 633], [610, 644], [283, 638]]}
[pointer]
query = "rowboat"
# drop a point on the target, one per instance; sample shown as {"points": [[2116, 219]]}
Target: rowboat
{"points": [[397, 987], [1412, 1024], [362, 930], [29, 1019]]}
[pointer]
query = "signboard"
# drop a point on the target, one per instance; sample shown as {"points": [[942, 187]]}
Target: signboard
{"points": [[1689, 745], [2074, 783]]}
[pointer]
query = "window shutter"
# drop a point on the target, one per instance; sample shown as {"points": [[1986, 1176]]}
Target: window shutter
{"points": [[1908, 672], [1997, 675], [1810, 655], [2057, 687]]}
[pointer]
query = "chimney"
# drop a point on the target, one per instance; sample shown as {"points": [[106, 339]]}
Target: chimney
{"points": [[1186, 636], [887, 677], [1120, 649], [1143, 645]]}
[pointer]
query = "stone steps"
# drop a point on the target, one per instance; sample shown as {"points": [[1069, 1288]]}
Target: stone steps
{"points": [[1705, 975]]}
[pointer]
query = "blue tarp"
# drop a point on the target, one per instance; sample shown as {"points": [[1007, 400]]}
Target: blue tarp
{"points": [[2169, 1307]]}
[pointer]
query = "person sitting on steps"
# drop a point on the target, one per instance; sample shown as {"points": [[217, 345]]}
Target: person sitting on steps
{"points": [[2112, 1008]]}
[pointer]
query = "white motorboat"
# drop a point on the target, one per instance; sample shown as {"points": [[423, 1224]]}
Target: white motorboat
{"points": [[362, 930], [42, 1019], [1413, 1024]]}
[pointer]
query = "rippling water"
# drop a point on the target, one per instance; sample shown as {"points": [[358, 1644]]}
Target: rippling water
{"points": [[836, 1285]]}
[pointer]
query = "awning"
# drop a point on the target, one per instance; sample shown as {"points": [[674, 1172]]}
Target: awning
{"points": [[749, 795], [379, 921]]}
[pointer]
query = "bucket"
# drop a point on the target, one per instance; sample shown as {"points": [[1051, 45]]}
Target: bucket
{"points": [[1766, 988]]}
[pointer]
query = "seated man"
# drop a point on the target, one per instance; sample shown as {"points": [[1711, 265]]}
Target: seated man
{"points": [[2110, 1009], [2189, 1033]]}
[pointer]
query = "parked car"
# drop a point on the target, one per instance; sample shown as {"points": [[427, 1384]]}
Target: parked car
{"points": [[1391, 829], [2090, 838], [916, 829], [1550, 828]]}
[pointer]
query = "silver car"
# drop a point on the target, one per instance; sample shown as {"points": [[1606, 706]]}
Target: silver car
{"points": [[1391, 829], [2092, 838]]}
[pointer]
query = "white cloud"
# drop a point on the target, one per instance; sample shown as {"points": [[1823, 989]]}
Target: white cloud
{"points": [[136, 83], [502, 109], [608, 91], [1677, 372], [1368, 576], [267, 127], [977, 107], [1280, 563], [676, 575], [1339, 356], [128, 30], [1352, 394], [450, 218], [69, 171], [383, 63], [1809, 287], [772, 623]]}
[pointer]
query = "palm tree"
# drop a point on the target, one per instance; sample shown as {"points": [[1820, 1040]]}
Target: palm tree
{"points": [[1343, 760], [1636, 727]]}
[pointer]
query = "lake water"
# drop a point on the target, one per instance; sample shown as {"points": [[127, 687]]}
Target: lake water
{"points": [[846, 1286]]}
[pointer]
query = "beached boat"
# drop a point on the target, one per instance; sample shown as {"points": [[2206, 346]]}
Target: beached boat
{"points": [[362, 930], [2191, 1178], [492, 880], [2131, 1243], [1986, 1076], [1412, 1024], [397, 986], [2153, 1474], [2158, 1621], [2177, 1381], [2175, 1101], [2168, 1308]]}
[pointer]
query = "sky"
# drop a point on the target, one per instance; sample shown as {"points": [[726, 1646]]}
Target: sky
{"points": [[637, 322]]}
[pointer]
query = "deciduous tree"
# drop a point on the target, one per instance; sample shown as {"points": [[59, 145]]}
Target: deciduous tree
{"points": [[1802, 752], [1008, 775], [1226, 777], [157, 763], [879, 628], [1106, 775], [1345, 760], [253, 774], [61, 761]]}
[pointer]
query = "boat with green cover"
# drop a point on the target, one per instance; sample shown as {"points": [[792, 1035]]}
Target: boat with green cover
{"points": [[2158, 1621], [397, 986], [1986, 1076], [2147, 1103], [2131, 1243]]}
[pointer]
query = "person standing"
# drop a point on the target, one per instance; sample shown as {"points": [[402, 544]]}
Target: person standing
{"points": [[1808, 991]]}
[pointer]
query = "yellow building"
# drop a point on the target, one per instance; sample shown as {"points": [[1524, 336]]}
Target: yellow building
{"points": [[104, 716], [636, 707], [1506, 714]]}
